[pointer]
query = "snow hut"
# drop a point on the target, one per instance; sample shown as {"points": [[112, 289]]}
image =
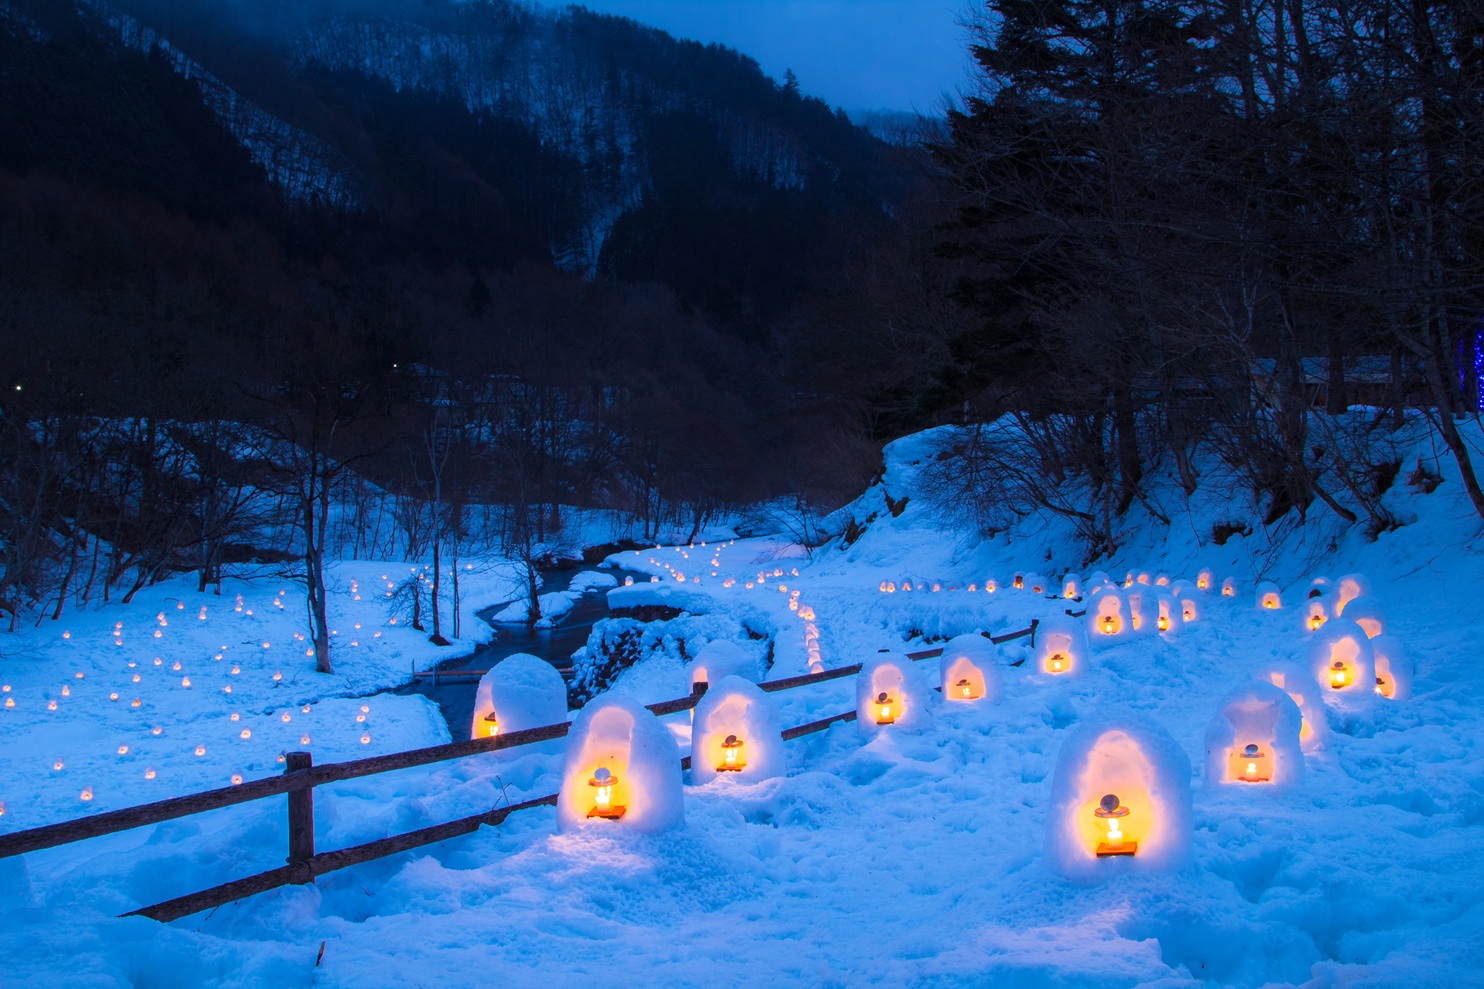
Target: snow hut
{"points": [[522, 691], [1316, 613], [736, 734], [1097, 580], [1342, 659], [720, 659], [1320, 587], [969, 670], [1366, 612], [889, 694], [1167, 613], [1304, 691], [1120, 792], [1255, 738], [1071, 586], [1061, 646], [1182, 588], [1393, 668], [1268, 596], [1161, 580], [1017, 580], [622, 768], [1036, 584], [1205, 579], [1229, 587], [1107, 615], [1141, 611], [1190, 609], [1348, 588]]}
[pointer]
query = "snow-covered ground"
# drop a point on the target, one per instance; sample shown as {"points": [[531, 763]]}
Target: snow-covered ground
{"points": [[909, 857]]}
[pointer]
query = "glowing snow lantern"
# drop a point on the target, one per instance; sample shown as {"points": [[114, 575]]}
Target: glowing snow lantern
{"points": [[736, 731], [888, 692], [1305, 692], [1071, 586], [1268, 597], [621, 768], [722, 658], [1316, 613], [1035, 583], [1190, 610], [1167, 613], [1393, 668], [1107, 616], [1120, 791], [1061, 646], [1348, 588], [527, 691], [968, 670], [1141, 615], [1367, 613], [1255, 737], [1343, 660], [1229, 587], [1018, 581]]}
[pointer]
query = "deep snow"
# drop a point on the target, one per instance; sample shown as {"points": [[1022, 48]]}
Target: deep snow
{"points": [[913, 858]]}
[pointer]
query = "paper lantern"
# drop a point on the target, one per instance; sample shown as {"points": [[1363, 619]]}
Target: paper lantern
{"points": [[1061, 647], [622, 770], [1255, 738], [736, 733], [969, 670], [1120, 792]]}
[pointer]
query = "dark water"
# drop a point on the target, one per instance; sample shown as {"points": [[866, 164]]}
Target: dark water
{"points": [[455, 697]]}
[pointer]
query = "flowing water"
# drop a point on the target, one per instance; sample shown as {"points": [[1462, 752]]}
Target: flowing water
{"points": [[455, 696]]}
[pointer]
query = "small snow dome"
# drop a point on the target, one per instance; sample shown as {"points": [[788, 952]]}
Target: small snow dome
{"points": [[1316, 613], [1107, 615], [522, 691], [1061, 646], [1229, 587], [1166, 613], [1190, 609], [1320, 587], [1255, 738], [720, 659], [1141, 610], [1036, 584], [1348, 588], [1342, 659], [1144, 577], [1119, 792], [1017, 580], [1268, 596], [1182, 588], [1304, 691], [889, 695], [1393, 668], [736, 734], [622, 768], [1097, 579], [1071, 586], [1205, 580], [1162, 580], [969, 670], [1366, 612]]}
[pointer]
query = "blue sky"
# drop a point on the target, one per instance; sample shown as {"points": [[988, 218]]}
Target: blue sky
{"points": [[859, 54]]}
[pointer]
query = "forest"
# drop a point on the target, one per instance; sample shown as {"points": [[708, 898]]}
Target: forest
{"points": [[267, 268]]}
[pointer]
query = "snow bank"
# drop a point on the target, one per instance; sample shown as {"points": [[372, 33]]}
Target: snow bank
{"points": [[1118, 774], [554, 607], [622, 768], [734, 710], [588, 581]]}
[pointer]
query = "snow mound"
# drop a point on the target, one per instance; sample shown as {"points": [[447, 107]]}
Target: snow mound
{"points": [[618, 739]]}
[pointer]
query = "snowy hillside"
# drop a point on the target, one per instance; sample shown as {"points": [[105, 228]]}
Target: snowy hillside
{"points": [[933, 852]]}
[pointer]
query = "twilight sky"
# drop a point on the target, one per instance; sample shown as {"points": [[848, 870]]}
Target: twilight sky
{"points": [[859, 54]]}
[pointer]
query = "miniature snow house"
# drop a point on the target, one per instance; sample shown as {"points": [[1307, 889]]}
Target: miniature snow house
{"points": [[1316, 613], [1061, 647], [1190, 609], [1393, 668], [736, 734], [1035, 583], [722, 658], [1366, 612], [622, 768], [1141, 610], [1107, 617], [1229, 587], [889, 695], [1268, 597], [1071, 586], [1168, 615], [1342, 660], [1304, 691], [969, 670], [1205, 580], [1120, 791], [522, 691], [1017, 581], [1348, 588], [1255, 738]]}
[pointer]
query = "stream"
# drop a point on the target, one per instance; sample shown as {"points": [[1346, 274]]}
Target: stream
{"points": [[455, 696]]}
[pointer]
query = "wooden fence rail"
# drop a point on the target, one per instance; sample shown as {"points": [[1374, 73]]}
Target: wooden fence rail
{"points": [[301, 776]]}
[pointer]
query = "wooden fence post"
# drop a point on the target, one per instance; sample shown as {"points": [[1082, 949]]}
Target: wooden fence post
{"points": [[301, 820]]}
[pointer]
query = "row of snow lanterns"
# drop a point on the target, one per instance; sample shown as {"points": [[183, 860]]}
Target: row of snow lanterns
{"points": [[684, 553]]}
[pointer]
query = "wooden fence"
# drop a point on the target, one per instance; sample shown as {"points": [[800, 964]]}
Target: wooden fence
{"points": [[301, 776]]}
